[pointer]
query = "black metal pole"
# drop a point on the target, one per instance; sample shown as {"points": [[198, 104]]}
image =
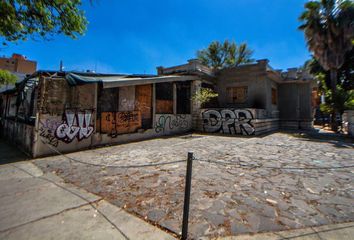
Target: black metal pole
{"points": [[187, 194]]}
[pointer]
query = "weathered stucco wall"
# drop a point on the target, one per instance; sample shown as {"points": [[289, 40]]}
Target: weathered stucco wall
{"points": [[67, 119], [259, 87], [295, 106], [253, 80], [21, 134], [165, 124]]}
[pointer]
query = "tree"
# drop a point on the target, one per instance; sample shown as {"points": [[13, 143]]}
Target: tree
{"points": [[344, 97], [20, 19], [7, 78], [221, 55], [329, 30]]}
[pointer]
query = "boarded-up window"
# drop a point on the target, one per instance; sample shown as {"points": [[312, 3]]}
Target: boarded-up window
{"points": [[183, 97], [115, 123], [143, 103], [107, 101], [274, 96], [237, 94], [126, 98], [164, 98]]}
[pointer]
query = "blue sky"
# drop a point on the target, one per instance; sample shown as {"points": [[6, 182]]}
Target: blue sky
{"points": [[136, 36]]}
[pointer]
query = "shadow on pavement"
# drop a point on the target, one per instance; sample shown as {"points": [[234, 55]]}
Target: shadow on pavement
{"points": [[336, 139], [10, 154]]}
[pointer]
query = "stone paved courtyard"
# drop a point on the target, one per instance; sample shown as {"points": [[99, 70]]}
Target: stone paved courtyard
{"points": [[258, 184]]}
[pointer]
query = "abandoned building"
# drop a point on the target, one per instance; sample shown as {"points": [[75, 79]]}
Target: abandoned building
{"points": [[51, 112]]}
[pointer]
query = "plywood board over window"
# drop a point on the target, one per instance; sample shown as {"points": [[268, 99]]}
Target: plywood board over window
{"points": [[107, 102], [115, 123], [143, 104], [237, 94], [274, 96], [164, 98], [126, 98]]}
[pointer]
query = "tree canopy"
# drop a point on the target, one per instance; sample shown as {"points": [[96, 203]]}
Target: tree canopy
{"points": [[329, 30], [227, 54], [20, 19]]}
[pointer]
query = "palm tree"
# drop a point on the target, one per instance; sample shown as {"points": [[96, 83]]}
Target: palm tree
{"points": [[227, 54], [329, 30]]}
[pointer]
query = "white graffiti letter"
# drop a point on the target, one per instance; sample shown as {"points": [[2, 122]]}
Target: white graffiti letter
{"points": [[211, 121]]}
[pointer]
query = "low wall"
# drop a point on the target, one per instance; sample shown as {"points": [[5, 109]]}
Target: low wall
{"points": [[348, 122], [18, 133], [234, 121], [164, 125], [77, 131], [296, 124]]}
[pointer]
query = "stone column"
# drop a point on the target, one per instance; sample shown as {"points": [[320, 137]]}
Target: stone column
{"points": [[153, 104], [174, 98], [197, 122]]}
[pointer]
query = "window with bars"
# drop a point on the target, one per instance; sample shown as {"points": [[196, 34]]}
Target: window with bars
{"points": [[237, 94]]}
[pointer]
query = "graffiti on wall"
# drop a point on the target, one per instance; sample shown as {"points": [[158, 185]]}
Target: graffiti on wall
{"points": [[76, 124], [47, 130], [115, 123], [228, 121], [167, 123]]}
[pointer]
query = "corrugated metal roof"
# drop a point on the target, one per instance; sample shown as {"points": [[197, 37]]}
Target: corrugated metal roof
{"points": [[119, 82], [108, 80], [111, 81]]}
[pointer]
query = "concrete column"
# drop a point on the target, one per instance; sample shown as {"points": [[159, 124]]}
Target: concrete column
{"points": [[153, 104], [40, 97], [174, 98], [195, 106], [95, 107]]}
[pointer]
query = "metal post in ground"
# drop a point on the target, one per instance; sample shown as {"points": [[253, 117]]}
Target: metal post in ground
{"points": [[187, 194]]}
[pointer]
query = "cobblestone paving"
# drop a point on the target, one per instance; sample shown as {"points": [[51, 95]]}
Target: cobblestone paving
{"points": [[238, 192]]}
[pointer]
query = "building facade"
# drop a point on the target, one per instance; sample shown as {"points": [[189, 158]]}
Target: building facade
{"points": [[18, 63], [58, 112]]}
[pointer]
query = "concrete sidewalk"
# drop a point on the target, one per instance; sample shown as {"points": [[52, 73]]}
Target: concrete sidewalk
{"points": [[34, 205]]}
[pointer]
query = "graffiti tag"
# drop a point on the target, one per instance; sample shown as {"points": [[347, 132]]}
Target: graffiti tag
{"points": [[115, 123], [76, 124], [228, 121], [47, 131], [170, 122]]}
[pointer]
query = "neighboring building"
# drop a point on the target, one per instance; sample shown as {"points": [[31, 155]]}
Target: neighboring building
{"points": [[52, 112], [18, 64]]}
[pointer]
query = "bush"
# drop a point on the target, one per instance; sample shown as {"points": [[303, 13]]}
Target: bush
{"points": [[7, 78], [204, 95]]}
